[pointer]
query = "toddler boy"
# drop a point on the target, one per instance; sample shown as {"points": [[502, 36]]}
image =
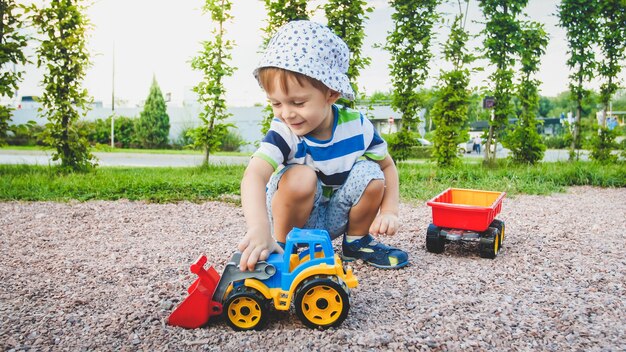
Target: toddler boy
{"points": [[320, 165]]}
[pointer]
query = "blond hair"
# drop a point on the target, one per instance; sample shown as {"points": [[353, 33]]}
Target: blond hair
{"points": [[268, 76]]}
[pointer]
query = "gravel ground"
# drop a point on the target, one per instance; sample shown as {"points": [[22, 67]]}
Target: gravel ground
{"points": [[105, 275]]}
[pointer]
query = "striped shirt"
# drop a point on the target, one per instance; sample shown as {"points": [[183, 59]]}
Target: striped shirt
{"points": [[353, 137]]}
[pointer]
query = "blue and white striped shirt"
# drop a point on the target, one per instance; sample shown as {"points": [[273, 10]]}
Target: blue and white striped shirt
{"points": [[353, 137]]}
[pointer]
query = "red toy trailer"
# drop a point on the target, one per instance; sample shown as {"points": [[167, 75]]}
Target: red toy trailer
{"points": [[466, 215]]}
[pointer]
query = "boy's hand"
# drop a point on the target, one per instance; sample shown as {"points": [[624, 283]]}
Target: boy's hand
{"points": [[384, 224], [254, 248]]}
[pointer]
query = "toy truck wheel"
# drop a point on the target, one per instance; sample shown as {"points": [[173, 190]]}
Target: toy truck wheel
{"points": [[499, 224], [489, 245], [246, 309], [434, 242], [322, 303]]}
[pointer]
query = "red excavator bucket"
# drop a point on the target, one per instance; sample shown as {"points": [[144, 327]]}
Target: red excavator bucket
{"points": [[198, 307]]}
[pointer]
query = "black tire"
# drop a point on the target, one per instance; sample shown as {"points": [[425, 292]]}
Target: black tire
{"points": [[499, 224], [489, 245], [246, 309], [434, 242], [322, 303]]}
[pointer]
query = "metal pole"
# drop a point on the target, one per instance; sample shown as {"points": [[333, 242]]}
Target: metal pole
{"points": [[113, 101]]}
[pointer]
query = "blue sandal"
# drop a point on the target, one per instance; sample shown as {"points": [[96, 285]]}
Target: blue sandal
{"points": [[374, 253]]}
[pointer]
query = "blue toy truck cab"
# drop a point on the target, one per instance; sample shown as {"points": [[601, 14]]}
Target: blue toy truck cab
{"points": [[297, 256]]}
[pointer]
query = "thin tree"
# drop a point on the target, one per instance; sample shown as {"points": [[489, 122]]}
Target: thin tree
{"points": [[212, 61], [453, 97], [409, 46], [501, 46], [12, 45], [612, 26], [63, 52], [345, 18], [280, 12], [579, 18], [525, 142], [153, 127]]}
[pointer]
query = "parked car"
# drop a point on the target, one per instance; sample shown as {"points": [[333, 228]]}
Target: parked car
{"points": [[468, 147], [424, 142]]}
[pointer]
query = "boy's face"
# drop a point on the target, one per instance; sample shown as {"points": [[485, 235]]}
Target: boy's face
{"points": [[305, 109]]}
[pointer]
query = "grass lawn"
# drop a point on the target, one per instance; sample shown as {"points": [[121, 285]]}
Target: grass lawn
{"points": [[418, 181]]}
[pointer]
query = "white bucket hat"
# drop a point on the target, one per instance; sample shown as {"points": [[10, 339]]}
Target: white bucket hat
{"points": [[311, 49]]}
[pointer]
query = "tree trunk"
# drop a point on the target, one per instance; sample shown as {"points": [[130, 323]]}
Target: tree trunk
{"points": [[488, 155], [575, 135]]}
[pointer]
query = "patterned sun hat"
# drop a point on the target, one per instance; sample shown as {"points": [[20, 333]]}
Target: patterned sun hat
{"points": [[311, 49]]}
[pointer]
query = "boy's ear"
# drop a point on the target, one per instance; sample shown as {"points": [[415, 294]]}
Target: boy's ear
{"points": [[333, 96]]}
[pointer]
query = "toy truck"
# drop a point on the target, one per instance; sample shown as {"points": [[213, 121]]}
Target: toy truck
{"points": [[466, 215], [309, 274]]}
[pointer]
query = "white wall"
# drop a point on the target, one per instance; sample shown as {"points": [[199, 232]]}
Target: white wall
{"points": [[246, 119]]}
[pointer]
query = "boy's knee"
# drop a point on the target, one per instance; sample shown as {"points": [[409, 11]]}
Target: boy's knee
{"points": [[375, 188], [365, 170], [365, 179], [298, 182]]}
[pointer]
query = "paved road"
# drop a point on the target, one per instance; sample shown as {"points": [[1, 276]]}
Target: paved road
{"points": [[550, 155], [39, 157]]}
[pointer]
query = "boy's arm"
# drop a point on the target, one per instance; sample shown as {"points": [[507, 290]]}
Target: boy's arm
{"points": [[258, 243], [386, 222]]}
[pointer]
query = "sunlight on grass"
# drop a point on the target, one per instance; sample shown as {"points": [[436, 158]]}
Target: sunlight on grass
{"points": [[418, 181]]}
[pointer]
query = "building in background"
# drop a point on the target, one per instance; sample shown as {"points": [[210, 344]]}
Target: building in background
{"points": [[246, 119]]}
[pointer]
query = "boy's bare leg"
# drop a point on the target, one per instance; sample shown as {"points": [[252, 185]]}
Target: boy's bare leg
{"points": [[293, 201], [364, 212]]}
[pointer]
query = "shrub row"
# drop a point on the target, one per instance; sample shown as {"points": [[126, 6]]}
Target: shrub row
{"points": [[99, 132]]}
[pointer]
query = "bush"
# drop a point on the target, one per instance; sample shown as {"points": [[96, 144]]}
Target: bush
{"points": [[420, 152], [99, 131], [232, 142], [184, 140], [400, 144], [602, 145], [557, 142], [25, 134], [124, 131]]}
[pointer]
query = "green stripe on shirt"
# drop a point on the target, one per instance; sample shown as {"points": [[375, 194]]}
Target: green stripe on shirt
{"points": [[347, 115], [376, 157], [266, 158]]}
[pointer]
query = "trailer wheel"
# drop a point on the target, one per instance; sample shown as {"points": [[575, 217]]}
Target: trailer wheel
{"points": [[499, 224], [434, 242], [246, 309], [489, 245], [322, 303]]}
